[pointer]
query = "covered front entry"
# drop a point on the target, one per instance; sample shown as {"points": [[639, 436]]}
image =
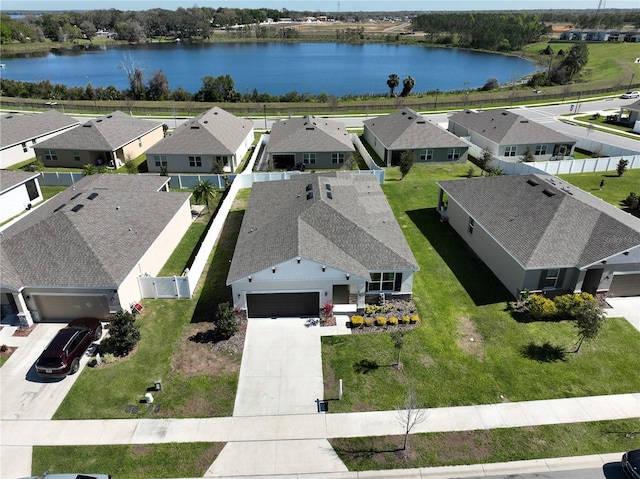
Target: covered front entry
{"points": [[270, 305], [625, 285], [66, 308]]}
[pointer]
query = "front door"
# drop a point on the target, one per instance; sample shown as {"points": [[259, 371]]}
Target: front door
{"points": [[592, 280]]}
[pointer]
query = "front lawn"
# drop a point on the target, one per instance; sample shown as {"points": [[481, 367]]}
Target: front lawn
{"points": [[140, 461], [197, 380], [468, 349]]}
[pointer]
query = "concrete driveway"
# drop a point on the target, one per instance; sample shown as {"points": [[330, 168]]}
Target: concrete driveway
{"points": [[24, 394], [281, 371], [628, 308]]}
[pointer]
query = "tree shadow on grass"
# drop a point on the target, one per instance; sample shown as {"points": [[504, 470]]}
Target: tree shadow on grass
{"points": [[545, 353], [366, 366], [475, 277], [354, 452], [209, 336], [214, 289]]}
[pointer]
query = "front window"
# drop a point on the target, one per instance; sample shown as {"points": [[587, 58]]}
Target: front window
{"points": [[453, 153], [195, 161], [388, 281], [309, 158], [472, 223], [337, 158], [551, 278], [426, 155], [541, 150], [50, 155], [510, 151], [76, 155]]}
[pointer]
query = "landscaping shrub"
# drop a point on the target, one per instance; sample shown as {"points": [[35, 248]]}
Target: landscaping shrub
{"points": [[371, 309], [368, 322], [124, 334], [357, 321], [225, 321], [393, 321], [406, 320], [632, 201], [569, 306], [414, 319], [541, 307], [381, 321]]}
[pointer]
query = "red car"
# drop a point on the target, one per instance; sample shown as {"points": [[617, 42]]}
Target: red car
{"points": [[62, 356]]}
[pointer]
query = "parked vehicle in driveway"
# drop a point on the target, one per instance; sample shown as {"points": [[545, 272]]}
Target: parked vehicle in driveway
{"points": [[62, 355], [631, 94], [631, 464]]}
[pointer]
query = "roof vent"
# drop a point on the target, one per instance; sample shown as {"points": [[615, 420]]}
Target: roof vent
{"points": [[404, 112], [524, 121], [98, 120], [421, 122], [329, 195], [504, 113], [87, 125], [195, 127], [309, 128], [532, 182], [310, 195], [548, 192], [8, 116], [309, 187], [206, 121], [327, 186], [92, 196], [109, 116], [77, 208], [75, 196], [60, 207]]}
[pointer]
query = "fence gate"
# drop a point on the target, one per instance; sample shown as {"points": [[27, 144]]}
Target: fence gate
{"points": [[172, 287]]}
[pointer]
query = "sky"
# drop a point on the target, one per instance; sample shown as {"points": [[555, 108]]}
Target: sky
{"points": [[319, 5]]}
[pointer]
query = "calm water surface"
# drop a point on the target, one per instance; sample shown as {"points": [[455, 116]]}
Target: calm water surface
{"points": [[334, 68]]}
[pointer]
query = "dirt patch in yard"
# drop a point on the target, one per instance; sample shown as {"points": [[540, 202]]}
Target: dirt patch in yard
{"points": [[200, 353], [24, 332], [6, 351], [469, 339]]}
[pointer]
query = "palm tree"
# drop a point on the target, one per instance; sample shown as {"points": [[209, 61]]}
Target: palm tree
{"points": [[407, 85], [204, 191], [392, 83]]}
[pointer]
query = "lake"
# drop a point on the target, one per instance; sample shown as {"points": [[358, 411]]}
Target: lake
{"points": [[335, 68]]}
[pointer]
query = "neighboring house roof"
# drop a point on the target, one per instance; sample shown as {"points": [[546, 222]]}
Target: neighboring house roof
{"points": [[97, 244], [18, 128], [635, 106], [10, 179], [354, 231], [309, 133], [214, 132], [107, 133], [407, 130], [544, 222], [507, 128]]}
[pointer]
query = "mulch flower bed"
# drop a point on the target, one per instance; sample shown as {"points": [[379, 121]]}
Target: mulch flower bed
{"points": [[24, 332], [391, 309]]}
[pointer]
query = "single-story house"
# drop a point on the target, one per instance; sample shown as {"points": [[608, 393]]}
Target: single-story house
{"points": [[213, 138], [21, 132], [406, 130], [309, 141], [508, 136], [634, 112], [81, 253], [106, 141], [318, 238], [537, 233], [19, 191]]}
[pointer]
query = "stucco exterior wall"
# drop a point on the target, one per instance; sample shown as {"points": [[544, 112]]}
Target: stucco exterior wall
{"points": [[373, 142], [16, 154], [16, 201], [323, 159], [138, 146]]}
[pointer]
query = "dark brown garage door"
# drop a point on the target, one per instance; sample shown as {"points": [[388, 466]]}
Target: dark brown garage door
{"points": [[282, 304], [66, 308], [625, 285]]}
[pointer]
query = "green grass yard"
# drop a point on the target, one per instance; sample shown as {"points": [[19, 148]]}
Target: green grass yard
{"points": [[140, 461], [459, 299]]}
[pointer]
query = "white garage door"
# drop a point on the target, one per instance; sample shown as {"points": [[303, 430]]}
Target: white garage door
{"points": [[625, 285], [66, 308]]}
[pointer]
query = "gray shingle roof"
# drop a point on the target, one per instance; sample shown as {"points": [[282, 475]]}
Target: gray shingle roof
{"points": [[565, 228], [17, 128], [309, 134], [214, 132], [96, 245], [107, 133], [407, 130], [507, 128], [10, 178], [635, 106], [355, 231]]}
